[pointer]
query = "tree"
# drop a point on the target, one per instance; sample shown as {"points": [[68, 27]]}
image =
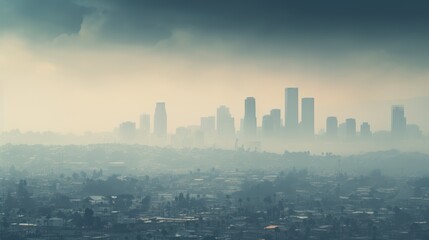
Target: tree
{"points": [[61, 201], [23, 196], [10, 202], [124, 201], [88, 217], [145, 203]]}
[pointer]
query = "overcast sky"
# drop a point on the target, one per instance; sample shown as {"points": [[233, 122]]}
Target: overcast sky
{"points": [[76, 66]]}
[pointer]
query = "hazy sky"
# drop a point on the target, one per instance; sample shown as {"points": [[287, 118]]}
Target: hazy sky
{"points": [[74, 65]]}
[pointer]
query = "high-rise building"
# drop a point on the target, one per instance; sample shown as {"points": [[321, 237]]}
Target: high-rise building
{"points": [[291, 110], [127, 130], [350, 127], [160, 120], [145, 123], [365, 130], [276, 120], [331, 127], [225, 122], [398, 121], [249, 121], [307, 118], [267, 125]]}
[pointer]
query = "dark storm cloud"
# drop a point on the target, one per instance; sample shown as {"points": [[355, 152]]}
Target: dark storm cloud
{"points": [[271, 18], [45, 19], [329, 26], [140, 18]]}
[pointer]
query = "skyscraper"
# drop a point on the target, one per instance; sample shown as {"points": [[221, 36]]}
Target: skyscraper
{"points": [[145, 123], [350, 128], [291, 110], [160, 120], [127, 131], [365, 130], [267, 125], [224, 122], [249, 120], [307, 118], [276, 120], [398, 121], [331, 127]]}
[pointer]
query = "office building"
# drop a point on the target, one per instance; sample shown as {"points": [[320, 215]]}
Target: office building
{"points": [[398, 121], [127, 131], [275, 115], [267, 125], [331, 127], [365, 130], [224, 122], [291, 110], [249, 121], [307, 118], [350, 128], [160, 120]]}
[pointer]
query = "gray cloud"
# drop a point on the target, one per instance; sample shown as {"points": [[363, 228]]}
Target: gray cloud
{"points": [[41, 20], [324, 29]]}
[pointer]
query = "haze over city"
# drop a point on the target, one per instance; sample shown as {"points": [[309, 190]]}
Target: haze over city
{"points": [[214, 120], [87, 66]]}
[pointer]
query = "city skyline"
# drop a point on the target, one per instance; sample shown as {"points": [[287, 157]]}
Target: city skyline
{"points": [[272, 124], [298, 116], [88, 65], [214, 119]]}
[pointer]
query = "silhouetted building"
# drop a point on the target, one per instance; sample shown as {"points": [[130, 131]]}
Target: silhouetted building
{"points": [[127, 131], [224, 122], [267, 125], [160, 120], [398, 121], [145, 123], [331, 127], [291, 110], [276, 120], [350, 127], [249, 121], [365, 130], [307, 118]]}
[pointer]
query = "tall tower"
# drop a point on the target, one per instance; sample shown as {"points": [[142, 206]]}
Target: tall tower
{"points": [[249, 120], [331, 127], [160, 120], [365, 130], [350, 127], [291, 110], [224, 122], [127, 131], [398, 121], [267, 125], [276, 120], [307, 118]]}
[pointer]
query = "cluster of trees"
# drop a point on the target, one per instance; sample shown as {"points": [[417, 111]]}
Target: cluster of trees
{"points": [[113, 185], [186, 202], [20, 200]]}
